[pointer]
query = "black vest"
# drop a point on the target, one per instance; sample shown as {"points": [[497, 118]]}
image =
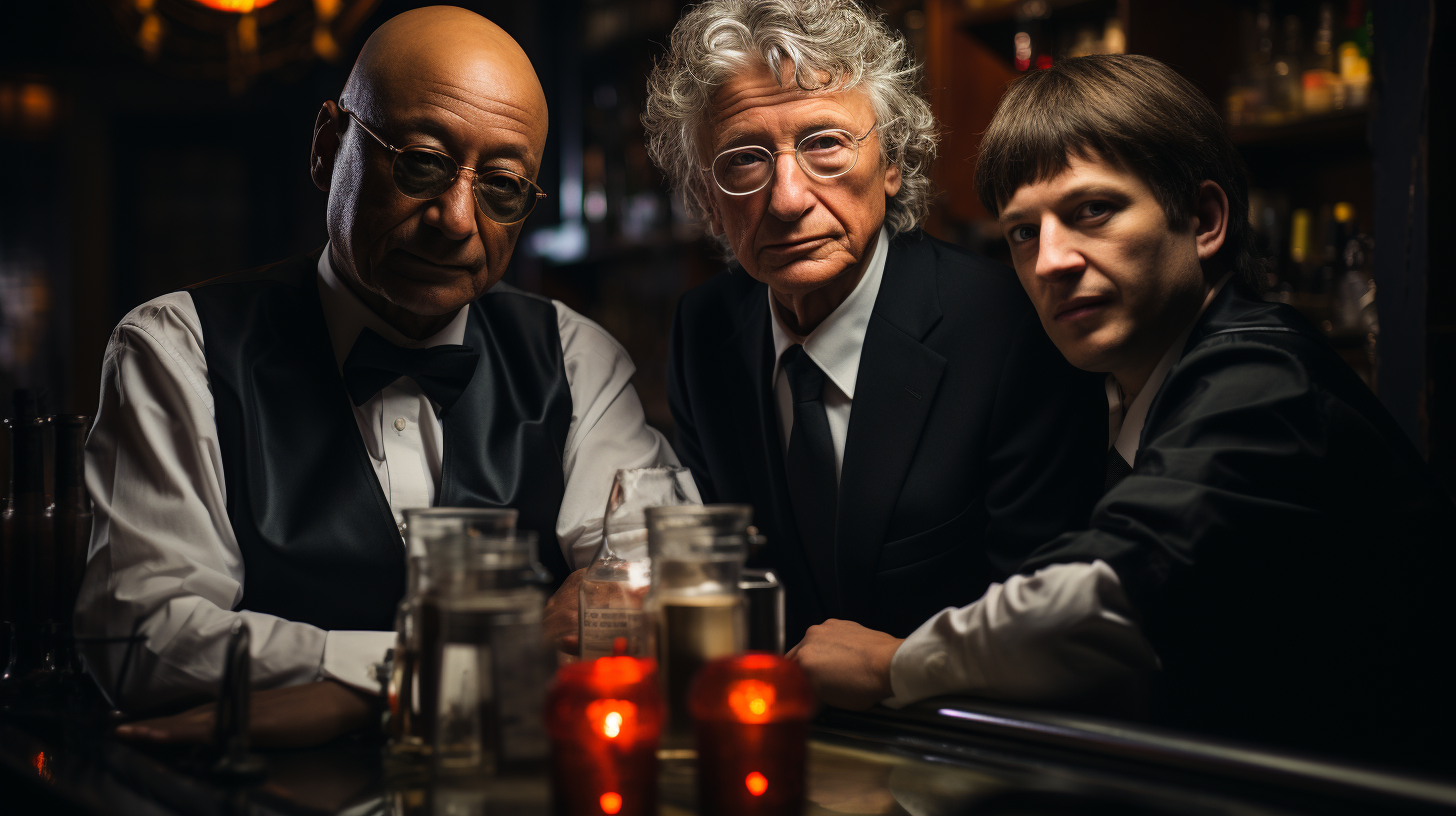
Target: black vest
{"points": [[319, 543]]}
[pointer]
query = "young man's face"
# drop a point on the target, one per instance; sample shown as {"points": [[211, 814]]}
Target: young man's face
{"points": [[1113, 284]]}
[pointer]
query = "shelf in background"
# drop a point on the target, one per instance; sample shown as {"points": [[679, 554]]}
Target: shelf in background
{"points": [[1340, 128], [1007, 11]]}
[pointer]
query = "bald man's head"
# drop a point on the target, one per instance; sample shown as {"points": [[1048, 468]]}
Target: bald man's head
{"points": [[408, 55], [452, 81]]}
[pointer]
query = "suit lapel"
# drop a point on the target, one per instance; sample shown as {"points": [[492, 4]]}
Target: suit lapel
{"points": [[898, 378], [754, 349]]}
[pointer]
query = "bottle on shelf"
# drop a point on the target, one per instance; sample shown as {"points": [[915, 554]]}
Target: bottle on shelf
{"points": [[1299, 255], [1355, 290], [1287, 95]]}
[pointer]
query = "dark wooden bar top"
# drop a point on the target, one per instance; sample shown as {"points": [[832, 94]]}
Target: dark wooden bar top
{"points": [[939, 758]]}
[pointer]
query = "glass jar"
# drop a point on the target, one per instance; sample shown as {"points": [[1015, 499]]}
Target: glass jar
{"points": [[697, 559], [410, 687], [482, 638]]}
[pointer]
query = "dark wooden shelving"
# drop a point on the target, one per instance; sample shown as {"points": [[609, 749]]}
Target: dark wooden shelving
{"points": [[1010, 11], [1345, 128]]}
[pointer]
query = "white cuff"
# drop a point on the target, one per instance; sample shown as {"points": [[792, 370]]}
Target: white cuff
{"points": [[349, 658], [918, 669]]}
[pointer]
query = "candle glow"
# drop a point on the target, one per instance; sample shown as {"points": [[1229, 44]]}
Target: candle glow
{"points": [[756, 783]]}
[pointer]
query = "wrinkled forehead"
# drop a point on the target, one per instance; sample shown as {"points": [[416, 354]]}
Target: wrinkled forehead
{"points": [[754, 101]]}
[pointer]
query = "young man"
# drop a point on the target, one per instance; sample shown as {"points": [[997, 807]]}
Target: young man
{"points": [[1268, 559]]}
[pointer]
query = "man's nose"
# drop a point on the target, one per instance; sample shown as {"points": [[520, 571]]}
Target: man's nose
{"points": [[1057, 252], [790, 193], [453, 211]]}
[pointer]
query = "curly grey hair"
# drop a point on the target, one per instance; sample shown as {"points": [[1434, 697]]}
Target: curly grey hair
{"points": [[837, 39]]}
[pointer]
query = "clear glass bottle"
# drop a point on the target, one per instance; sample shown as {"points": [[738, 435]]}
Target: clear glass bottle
{"points": [[696, 597], [490, 660], [412, 687], [615, 586]]}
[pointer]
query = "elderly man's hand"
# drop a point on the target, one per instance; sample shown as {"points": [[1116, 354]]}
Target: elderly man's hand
{"points": [[848, 665], [561, 625], [290, 717]]}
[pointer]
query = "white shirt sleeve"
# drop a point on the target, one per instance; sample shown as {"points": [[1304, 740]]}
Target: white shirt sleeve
{"points": [[608, 431], [163, 557], [1061, 635]]}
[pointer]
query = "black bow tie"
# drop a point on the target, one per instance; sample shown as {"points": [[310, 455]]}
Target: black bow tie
{"points": [[442, 372]]}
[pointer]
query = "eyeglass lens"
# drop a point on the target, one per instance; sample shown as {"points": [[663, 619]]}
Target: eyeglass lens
{"points": [[425, 174], [825, 155]]}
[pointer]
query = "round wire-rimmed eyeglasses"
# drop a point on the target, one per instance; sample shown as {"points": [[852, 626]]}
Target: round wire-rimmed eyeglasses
{"points": [[824, 154], [422, 173]]}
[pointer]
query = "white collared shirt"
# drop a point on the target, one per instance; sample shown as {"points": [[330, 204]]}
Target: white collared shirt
{"points": [[835, 346], [162, 546], [1059, 633]]}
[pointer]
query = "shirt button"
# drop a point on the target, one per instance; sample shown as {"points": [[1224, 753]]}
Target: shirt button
{"points": [[399, 423]]}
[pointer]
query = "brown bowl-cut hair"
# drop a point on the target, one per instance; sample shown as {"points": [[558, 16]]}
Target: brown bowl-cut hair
{"points": [[1129, 110]]}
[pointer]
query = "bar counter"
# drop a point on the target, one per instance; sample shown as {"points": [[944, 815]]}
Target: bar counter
{"points": [[943, 757]]}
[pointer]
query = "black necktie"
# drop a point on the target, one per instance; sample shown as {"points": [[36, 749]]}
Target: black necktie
{"points": [[813, 488], [1117, 469], [442, 372]]}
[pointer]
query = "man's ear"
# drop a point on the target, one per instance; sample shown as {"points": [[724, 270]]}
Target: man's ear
{"points": [[1210, 220], [892, 180], [325, 145]]}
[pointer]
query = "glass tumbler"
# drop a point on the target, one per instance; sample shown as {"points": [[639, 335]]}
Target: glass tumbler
{"points": [[489, 657], [412, 689], [697, 559]]}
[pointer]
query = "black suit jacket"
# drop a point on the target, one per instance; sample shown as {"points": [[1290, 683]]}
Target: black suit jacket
{"points": [[971, 441], [1289, 553]]}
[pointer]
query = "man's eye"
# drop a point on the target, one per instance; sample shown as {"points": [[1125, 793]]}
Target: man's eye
{"points": [[1021, 234], [1096, 209], [824, 141], [747, 158]]}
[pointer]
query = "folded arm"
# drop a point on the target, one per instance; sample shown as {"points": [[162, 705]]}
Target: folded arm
{"points": [[164, 565]]}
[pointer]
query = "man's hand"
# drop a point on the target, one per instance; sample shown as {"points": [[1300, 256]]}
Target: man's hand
{"points": [[290, 717], [848, 665], [560, 623]]}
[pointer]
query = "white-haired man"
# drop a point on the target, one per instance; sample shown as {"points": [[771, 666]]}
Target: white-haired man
{"points": [[887, 402]]}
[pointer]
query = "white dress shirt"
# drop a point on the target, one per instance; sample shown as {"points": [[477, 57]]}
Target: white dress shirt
{"points": [[1062, 633], [834, 345], [163, 551]]}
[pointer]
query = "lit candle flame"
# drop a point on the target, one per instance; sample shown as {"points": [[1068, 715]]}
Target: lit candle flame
{"points": [[612, 718], [756, 783], [611, 802], [751, 701]]}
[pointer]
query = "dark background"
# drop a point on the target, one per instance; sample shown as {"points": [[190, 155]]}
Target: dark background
{"points": [[124, 176]]}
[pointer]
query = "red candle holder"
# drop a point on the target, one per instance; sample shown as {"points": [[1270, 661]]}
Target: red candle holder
{"points": [[605, 717], [752, 715]]}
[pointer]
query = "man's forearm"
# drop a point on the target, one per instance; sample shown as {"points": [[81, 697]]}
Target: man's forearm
{"points": [[1060, 635]]}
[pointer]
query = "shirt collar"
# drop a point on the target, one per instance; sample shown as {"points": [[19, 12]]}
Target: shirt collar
{"points": [[1125, 430], [835, 344], [346, 315]]}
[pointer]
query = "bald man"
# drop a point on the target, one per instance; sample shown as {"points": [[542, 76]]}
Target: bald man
{"points": [[260, 434]]}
